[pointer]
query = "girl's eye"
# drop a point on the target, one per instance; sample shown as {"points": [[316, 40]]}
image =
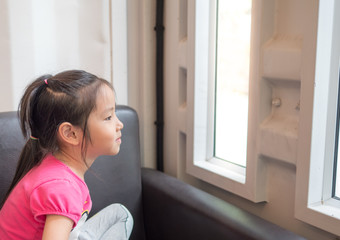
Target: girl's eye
{"points": [[108, 118]]}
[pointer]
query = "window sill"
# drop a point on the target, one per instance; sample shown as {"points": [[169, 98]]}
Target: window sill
{"points": [[329, 208], [224, 169], [235, 179], [324, 215]]}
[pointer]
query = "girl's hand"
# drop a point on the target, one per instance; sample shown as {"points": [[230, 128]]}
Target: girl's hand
{"points": [[57, 227]]}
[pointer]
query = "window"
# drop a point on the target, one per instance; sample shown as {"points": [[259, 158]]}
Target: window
{"points": [[282, 62], [225, 169], [232, 80], [336, 176], [315, 200]]}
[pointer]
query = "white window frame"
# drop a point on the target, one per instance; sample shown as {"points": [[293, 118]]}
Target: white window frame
{"points": [[249, 183], [314, 202]]}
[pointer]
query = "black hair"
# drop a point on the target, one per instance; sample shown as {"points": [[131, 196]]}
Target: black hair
{"points": [[49, 101]]}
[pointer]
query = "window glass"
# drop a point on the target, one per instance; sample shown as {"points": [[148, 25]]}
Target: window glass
{"points": [[336, 177], [232, 80]]}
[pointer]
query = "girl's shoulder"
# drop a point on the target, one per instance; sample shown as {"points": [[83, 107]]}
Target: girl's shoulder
{"points": [[53, 172]]}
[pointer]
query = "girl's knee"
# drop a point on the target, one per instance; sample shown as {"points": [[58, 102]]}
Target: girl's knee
{"points": [[119, 210], [113, 207]]}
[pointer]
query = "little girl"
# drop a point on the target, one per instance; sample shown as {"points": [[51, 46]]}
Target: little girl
{"points": [[70, 120]]}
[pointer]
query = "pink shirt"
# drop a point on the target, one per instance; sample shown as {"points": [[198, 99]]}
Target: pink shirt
{"points": [[50, 188]]}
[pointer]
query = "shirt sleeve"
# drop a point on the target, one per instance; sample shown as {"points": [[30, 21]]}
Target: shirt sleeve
{"points": [[59, 197]]}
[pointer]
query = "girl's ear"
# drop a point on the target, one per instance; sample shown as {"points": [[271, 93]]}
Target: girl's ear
{"points": [[70, 134]]}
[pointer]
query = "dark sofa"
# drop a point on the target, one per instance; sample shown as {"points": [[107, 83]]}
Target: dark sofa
{"points": [[162, 206]]}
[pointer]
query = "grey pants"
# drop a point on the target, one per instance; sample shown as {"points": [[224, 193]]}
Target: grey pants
{"points": [[113, 222]]}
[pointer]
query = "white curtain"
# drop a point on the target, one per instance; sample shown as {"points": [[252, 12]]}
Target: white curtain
{"points": [[49, 36]]}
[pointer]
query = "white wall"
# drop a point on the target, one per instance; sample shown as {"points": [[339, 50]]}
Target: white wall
{"points": [[142, 73], [47, 36]]}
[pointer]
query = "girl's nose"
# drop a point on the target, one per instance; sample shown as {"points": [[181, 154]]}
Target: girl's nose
{"points": [[120, 125]]}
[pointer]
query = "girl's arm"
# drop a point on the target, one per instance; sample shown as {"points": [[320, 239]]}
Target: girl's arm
{"points": [[57, 227]]}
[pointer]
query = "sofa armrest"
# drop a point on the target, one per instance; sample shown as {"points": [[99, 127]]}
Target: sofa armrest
{"points": [[175, 210]]}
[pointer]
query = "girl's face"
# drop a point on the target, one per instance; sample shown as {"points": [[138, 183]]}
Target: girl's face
{"points": [[104, 126]]}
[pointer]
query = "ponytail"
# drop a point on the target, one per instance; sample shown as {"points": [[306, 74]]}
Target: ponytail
{"points": [[32, 153], [31, 156]]}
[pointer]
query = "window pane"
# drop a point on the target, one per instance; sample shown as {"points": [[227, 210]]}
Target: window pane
{"points": [[232, 80], [336, 177], [336, 183]]}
